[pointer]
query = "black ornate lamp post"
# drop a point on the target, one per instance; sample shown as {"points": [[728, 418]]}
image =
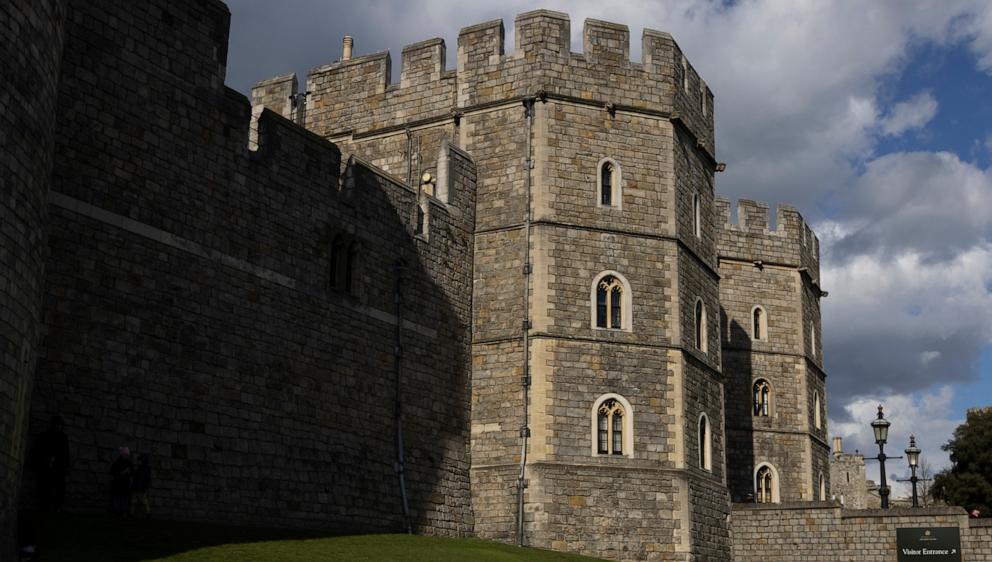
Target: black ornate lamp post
{"points": [[913, 456], [881, 428]]}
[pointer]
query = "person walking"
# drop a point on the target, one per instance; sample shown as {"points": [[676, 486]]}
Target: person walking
{"points": [[121, 472], [53, 464], [139, 487]]}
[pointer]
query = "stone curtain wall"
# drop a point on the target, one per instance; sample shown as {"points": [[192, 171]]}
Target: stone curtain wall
{"points": [[805, 532], [30, 54], [189, 307]]}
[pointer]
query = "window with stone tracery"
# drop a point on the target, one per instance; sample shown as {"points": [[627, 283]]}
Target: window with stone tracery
{"points": [[762, 398], [765, 485], [609, 303], [610, 428]]}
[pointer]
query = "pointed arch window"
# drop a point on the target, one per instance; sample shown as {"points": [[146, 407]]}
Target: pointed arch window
{"points": [[759, 324], [762, 394], [343, 266], [812, 339], [766, 484], [697, 227], [609, 303], [817, 421], [610, 423], [700, 325], [612, 426], [608, 183], [823, 488], [705, 443]]}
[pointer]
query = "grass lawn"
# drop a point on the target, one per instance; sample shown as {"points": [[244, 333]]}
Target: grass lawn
{"points": [[105, 539]]}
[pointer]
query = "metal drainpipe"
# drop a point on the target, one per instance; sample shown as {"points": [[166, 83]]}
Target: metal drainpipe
{"points": [[398, 405], [525, 325]]}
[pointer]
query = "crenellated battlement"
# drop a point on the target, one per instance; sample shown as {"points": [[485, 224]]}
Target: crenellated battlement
{"points": [[357, 96], [751, 238]]}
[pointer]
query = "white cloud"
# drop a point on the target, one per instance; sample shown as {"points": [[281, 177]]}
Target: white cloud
{"points": [[928, 416], [908, 115]]}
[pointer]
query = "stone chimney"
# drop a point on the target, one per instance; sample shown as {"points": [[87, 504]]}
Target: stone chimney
{"points": [[838, 449], [348, 43]]}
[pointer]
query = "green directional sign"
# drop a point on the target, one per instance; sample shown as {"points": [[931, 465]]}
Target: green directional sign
{"points": [[928, 544]]}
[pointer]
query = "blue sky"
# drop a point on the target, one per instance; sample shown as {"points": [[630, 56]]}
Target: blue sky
{"points": [[872, 118]]}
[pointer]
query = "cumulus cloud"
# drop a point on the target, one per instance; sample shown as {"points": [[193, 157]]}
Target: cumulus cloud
{"points": [[900, 323], [930, 202], [910, 114]]}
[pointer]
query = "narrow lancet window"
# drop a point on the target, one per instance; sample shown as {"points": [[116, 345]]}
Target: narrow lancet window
{"points": [[705, 444], [759, 323], [700, 326], [697, 228], [606, 173]]}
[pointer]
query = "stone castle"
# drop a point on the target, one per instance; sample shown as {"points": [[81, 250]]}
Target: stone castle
{"points": [[500, 301]]}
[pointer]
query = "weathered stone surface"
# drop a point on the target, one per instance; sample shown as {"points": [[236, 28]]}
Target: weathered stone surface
{"points": [[824, 532], [191, 311], [31, 33]]}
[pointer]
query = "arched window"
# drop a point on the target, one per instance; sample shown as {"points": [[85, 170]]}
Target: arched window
{"points": [[823, 488], [697, 227], [700, 326], [609, 184], [611, 302], [762, 393], [343, 266], [812, 339], [817, 422], [610, 422], [705, 443], [766, 484], [759, 324], [612, 426]]}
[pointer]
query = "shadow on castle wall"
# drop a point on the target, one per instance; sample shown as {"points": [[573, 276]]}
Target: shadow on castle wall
{"points": [[193, 312], [739, 375]]}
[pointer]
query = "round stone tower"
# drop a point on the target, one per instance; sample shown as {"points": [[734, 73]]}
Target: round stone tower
{"points": [[30, 53]]}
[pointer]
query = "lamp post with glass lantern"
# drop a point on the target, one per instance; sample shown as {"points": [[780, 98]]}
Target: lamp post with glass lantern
{"points": [[913, 456], [880, 426]]}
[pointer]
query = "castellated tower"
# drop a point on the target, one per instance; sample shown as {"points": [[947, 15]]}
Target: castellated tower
{"points": [[772, 356], [597, 399]]}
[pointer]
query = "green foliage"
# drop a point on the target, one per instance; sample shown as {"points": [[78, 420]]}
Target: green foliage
{"points": [[968, 482], [106, 539]]}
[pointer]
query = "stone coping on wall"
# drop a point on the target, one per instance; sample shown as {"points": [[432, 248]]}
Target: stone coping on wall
{"points": [[785, 506], [905, 512]]}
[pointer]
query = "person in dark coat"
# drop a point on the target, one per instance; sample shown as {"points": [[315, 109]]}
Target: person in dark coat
{"points": [[139, 487], [121, 472], [53, 464]]}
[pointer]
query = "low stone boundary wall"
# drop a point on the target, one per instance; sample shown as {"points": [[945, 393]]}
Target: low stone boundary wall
{"points": [[823, 531]]}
